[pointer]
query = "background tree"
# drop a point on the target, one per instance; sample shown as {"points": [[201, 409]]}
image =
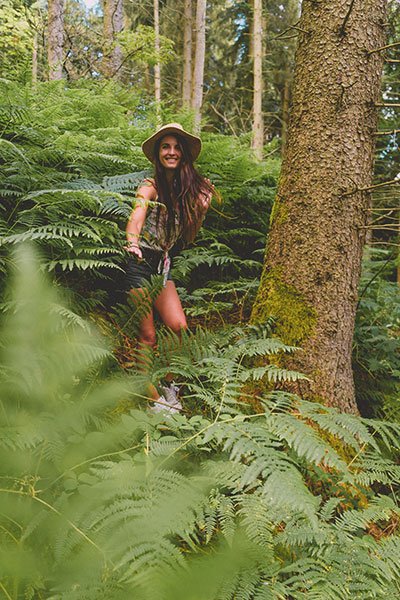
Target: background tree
{"points": [[113, 25], [313, 258], [198, 73], [187, 54], [157, 66], [55, 38], [258, 121]]}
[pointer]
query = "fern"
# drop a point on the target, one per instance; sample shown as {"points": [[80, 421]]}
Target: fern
{"points": [[100, 499], [118, 505]]}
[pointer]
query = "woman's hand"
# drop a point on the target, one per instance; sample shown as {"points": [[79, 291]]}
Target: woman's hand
{"points": [[133, 249]]}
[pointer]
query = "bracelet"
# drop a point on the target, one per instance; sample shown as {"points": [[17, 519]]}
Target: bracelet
{"points": [[132, 244]]}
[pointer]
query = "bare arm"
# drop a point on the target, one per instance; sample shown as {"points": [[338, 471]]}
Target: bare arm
{"points": [[145, 194]]}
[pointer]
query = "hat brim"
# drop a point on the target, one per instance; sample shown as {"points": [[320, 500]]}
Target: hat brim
{"points": [[194, 142]]}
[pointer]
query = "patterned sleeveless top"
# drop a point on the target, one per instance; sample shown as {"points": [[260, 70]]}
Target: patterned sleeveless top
{"points": [[154, 235]]}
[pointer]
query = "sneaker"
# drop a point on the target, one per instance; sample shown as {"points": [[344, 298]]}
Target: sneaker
{"points": [[171, 395], [157, 405], [168, 402]]}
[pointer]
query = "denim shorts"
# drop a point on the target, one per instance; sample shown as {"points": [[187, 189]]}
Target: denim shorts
{"points": [[139, 270]]}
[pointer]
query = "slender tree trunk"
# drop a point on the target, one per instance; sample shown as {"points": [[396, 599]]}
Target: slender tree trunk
{"points": [[34, 60], [313, 257], [112, 25], [198, 76], [258, 120], [157, 68], [147, 78], [187, 54], [55, 38]]}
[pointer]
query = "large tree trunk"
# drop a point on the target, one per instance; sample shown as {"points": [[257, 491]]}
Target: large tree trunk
{"points": [[258, 120], [198, 76], [112, 25], [313, 257], [55, 38], [187, 54]]}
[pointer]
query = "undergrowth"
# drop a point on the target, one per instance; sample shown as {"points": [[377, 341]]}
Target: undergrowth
{"points": [[101, 500], [70, 165], [376, 351]]}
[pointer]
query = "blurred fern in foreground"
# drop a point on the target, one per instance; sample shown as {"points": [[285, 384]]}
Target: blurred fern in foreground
{"points": [[100, 500]]}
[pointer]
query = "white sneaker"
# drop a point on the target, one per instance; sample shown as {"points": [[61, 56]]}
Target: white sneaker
{"points": [[157, 405], [168, 402], [171, 395]]}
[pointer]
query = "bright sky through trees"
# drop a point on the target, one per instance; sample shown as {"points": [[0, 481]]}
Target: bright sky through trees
{"points": [[90, 3]]}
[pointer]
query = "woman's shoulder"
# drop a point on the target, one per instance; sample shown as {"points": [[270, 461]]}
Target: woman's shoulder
{"points": [[147, 189]]}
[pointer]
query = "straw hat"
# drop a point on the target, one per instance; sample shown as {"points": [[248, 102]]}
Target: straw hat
{"points": [[194, 142]]}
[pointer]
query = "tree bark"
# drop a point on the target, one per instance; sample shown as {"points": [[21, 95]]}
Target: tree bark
{"points": [[285, 106], [313, 258], [187, 54], [112, 25], [258, 120], [198, 76], [157, 68], [55, 39]]}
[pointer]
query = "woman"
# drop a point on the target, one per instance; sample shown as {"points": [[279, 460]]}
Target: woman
{"points": [[182, 198]]}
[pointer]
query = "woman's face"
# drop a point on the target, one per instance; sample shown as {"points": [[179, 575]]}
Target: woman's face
{"points": [[170, 153]]}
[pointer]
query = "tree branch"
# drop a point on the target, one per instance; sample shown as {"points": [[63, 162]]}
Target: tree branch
{"points": [[393, 132], [390, 208], [295, 26], [373, 187], [224, 118], [375, 243], [388, 227], [383, 48], [341, 32], [123, 61]]}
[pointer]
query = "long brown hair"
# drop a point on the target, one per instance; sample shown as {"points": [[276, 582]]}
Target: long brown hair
{"points": [[188, 188]]}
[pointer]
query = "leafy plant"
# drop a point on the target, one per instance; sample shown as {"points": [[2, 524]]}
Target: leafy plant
{"points": [[100, 499], [376, 353], [70, 164]]}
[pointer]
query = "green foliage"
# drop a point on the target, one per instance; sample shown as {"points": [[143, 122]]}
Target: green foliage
{"points": [[15, 41], [216, 503], [376, 353], [70, 164], [140, 43]]}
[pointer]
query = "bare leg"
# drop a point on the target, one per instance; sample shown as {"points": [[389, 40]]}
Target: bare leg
{"points": [[169, 307], [146, 340]]}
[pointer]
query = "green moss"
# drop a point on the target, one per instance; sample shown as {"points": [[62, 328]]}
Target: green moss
{"points": [[295, 317], [279, 213]]}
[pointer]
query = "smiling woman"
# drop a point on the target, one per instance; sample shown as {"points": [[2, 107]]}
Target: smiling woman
{"points": [[169, 207]]}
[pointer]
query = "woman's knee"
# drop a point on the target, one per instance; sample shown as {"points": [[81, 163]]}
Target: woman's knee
{"points": [[147, 337], [177, 325]]}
